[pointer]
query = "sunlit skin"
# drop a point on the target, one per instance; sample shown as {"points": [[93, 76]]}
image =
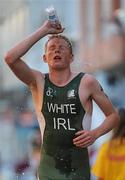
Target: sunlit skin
{"points": [[58, 54]]}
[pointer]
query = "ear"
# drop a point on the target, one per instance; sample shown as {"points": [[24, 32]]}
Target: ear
{"points": [[44, 58]]}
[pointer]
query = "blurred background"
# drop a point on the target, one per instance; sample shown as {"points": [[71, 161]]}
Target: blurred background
{"points": [[96, 29]]}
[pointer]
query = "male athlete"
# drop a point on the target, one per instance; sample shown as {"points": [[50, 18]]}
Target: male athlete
{"points": [[62, 99]]}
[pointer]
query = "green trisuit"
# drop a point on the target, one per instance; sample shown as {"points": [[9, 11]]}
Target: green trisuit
{"points": [[63, 113]]}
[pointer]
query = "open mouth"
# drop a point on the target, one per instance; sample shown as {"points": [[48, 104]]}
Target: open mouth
{"points": [[57, 57]]}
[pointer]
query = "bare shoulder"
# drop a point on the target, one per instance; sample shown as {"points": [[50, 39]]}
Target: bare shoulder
{"points": [[89, 80], [38, 74], [39, 77]]}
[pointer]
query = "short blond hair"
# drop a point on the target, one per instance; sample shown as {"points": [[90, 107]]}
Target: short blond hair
{"points": [[61, 37]]}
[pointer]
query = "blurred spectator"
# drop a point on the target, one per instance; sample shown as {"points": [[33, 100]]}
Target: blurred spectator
{"points": [[9, 145], [36, 147], [110, 162], [25, 128], [27, 168], [19, 145], [26, 125]]}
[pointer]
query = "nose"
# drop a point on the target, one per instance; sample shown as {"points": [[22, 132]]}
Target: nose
{"points": [[57, 51]]}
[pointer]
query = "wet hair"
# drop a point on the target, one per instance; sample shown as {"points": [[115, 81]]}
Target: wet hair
{"points": [[60, 37], [119, 131]]}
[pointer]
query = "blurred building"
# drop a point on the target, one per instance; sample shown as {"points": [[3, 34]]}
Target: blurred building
{"points": [[101, 45], [13, 26]]}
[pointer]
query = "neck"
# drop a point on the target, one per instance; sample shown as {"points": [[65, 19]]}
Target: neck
{"points": [[60, 77]]}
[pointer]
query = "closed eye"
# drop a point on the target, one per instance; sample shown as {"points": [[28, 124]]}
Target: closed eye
{"points": [[52, 48], [63, 47]]}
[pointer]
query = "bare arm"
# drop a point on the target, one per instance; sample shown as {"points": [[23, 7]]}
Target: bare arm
{"points": [[14, 55], [107, 108], [85, 137]]}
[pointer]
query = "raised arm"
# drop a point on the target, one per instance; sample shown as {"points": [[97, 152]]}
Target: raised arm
{"points": [[14, 55]]}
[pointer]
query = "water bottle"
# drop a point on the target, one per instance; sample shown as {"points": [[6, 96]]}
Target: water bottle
{"points": [[52, 15]]}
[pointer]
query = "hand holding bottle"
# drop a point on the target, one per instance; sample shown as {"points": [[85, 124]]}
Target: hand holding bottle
{"points": [[50, 28], [53, 24]]}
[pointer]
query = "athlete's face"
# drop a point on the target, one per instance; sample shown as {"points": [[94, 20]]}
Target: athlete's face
{"points": [[58, 54]]}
